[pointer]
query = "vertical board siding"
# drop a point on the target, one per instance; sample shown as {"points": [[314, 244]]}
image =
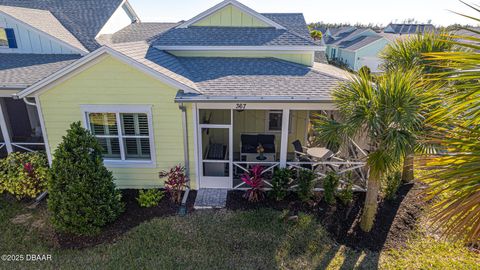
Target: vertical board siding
{"points": [[31, 41], [113, 82], [231, 16], [303, 58]]}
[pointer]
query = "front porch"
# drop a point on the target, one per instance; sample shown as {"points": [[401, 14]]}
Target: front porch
{"points": [[232, 138]]}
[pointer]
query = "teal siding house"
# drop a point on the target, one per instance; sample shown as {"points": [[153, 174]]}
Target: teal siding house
{"points": [[355, 47]]}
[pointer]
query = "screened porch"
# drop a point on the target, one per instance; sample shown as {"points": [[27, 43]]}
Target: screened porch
{"points": [[232, 141]]}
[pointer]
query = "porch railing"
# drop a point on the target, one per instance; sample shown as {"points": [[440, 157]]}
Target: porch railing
{"points": [[357, 169], [341, 168], [25, 146], [244, 166]]}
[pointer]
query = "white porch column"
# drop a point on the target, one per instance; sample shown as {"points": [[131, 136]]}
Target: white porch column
{"points": [[284, 140], [3, 127]]}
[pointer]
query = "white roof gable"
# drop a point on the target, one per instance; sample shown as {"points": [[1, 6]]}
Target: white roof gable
{"points": [[238, 5]]}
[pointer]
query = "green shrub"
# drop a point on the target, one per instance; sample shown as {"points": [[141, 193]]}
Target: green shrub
{"points": [[306, 183], [345, 195], [330, 186], [392, 184], [280, 183], [150, 198], [24, 175], [82, 194]]}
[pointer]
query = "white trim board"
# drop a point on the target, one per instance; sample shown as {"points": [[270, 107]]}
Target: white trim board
{"points": [[44, 130], [236, 4], [45, 83], [269, 106]]}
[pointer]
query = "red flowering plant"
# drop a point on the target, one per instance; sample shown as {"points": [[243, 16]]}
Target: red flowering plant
{"points": [[175, 183], [254, 180]]}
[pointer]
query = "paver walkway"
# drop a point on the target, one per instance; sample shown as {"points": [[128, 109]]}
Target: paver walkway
{"points": [[210, 198]]}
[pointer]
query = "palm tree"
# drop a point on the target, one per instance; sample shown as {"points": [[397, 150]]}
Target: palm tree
{"points": [[456, 182], [405, 54], [316, 35], [389, 111]]}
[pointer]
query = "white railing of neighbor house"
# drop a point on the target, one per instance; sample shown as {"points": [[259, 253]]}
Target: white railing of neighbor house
{"points": [[24, 146]]}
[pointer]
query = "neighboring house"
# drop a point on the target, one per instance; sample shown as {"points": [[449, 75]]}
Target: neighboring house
{"points": [[37, 39], [355, 47], [205, 93], [408, 28]]}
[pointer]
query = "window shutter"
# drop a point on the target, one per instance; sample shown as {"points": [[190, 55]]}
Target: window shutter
{"points": [[12, 43]]}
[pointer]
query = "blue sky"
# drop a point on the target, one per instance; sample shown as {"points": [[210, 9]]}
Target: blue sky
{"points": [[351, 11]]}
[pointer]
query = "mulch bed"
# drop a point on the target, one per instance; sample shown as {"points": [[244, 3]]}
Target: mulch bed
{"points": [[395, 219], [130, 218]]}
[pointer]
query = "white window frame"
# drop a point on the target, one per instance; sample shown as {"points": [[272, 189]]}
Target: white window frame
{"points": [[117, 110], [267, 122]]}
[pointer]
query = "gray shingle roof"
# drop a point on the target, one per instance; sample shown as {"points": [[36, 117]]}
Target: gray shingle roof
{"points": [[409, 28], [22, 70], [359, 42], [230, 36], [157, 60], [141, 32], [296, 34], [256, 77], [44, 21], [343, 29], [242, 77], [295, 22], [343, 36], [83, 18]]}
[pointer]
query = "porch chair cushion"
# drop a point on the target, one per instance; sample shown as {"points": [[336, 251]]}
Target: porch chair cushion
{"points": [[297, 145], [250, 143]]}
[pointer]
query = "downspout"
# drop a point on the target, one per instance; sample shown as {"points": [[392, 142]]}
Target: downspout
{"points": [[183, 207], [44, 194]]}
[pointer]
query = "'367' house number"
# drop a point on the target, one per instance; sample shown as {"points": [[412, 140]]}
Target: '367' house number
{"points": [[240, 106]]}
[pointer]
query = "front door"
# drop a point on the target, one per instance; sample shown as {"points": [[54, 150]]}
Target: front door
{"points": [[216, 150]]}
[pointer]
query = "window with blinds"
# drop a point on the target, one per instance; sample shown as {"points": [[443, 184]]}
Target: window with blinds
{"points": [[123, 136]]}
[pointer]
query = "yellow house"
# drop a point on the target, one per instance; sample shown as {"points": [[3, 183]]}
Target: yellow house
{"points": [[229, 89]]}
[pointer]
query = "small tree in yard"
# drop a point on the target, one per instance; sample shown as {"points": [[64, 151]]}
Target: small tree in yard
{"points": [[176, 182], [388, 108], [82, 194]]}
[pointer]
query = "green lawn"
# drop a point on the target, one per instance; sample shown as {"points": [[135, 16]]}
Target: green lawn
{"points": [[221, 240]]}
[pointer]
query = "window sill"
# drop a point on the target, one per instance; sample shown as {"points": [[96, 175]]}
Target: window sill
{"points": [[129, 164]]}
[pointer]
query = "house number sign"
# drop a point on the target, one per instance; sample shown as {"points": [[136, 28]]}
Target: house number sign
{"points": [[240, 106]]}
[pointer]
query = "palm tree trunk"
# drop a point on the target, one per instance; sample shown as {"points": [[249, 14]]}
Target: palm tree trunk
{"points": [[408, 168], [371, 202]]}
